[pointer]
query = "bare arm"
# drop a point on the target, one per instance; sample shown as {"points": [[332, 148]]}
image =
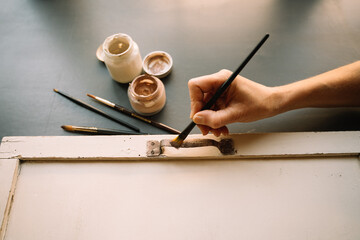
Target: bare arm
{"points": [[337, 88], [247, 101]]}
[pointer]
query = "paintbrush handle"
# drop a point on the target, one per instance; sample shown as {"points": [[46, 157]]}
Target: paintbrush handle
{"points": [[99, 131], [154, 123], [134, 115], [187, 130], [88, 106], [227, 83], [179, 139], [224, 86], [165, 127], [106, 131]]}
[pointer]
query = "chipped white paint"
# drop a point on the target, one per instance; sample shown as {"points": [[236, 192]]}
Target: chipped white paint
{"points": [[307, 188]]}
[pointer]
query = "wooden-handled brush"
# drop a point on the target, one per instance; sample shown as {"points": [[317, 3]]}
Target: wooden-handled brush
{"points": [[181, 137]]}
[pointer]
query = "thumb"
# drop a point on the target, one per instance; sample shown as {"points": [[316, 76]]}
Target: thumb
{"points": [[213, 119]]}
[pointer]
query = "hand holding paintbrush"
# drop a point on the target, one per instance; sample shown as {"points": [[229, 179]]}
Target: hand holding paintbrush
{"points": [[179, 139]]}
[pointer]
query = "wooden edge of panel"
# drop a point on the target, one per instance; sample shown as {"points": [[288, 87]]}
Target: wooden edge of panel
{"points": [[9, 172], [126, 147], [129, 148]]}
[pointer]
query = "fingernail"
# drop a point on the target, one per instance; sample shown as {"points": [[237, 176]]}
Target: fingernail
{"points": [[198, 119]]}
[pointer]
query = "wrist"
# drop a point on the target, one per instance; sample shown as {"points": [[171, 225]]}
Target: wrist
{"points": [[286, 98], [300, 94]]}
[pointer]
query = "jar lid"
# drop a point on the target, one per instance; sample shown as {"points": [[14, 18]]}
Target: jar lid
{"points": [[158, 64], [100, 53]]}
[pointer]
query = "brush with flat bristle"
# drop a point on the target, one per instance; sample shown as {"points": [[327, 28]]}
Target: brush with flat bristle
{"points": [[177, 142]]}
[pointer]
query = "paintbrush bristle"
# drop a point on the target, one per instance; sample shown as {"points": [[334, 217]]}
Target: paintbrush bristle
{"points": [[177, 142], [90, 95], [67, 127], [55, 90]]}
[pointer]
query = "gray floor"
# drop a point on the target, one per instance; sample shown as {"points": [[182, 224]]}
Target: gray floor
{"points": [[52, 44]]}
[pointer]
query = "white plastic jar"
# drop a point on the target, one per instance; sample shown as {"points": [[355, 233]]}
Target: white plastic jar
{"points": [[122, 57], [147, 95]]}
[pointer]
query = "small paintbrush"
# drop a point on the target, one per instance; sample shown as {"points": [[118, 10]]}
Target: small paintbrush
{"points": [[181, 137], [134, 115], [91, 108], [99, 131]]}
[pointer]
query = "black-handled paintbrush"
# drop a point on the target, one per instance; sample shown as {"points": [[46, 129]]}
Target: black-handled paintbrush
{"points": [[179, 139], [91, 108], [134, 115]]}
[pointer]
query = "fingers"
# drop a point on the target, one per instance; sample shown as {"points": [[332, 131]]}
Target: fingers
{"points": [[214, 119], [200, 90], [204, 129], [217, 132], [223, 130], [201, 86]]}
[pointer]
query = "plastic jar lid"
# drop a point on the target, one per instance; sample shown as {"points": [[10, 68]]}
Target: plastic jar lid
{"points": [[158, 64]]}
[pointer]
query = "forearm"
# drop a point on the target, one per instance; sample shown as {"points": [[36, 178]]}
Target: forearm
{"points": [[337, 88]]}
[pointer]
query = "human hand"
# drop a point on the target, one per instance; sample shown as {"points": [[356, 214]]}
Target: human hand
{"points": [[243, 101]]}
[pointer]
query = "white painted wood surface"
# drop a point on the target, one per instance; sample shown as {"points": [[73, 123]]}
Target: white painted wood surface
{"points": [[8, 178], [286, 186], [134, 147]]}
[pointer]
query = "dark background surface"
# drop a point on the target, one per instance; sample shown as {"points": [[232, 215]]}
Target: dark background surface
{"points": [[48, 44]]}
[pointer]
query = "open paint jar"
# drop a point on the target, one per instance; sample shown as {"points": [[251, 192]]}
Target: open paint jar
{"points": [[147, 95], [122, 57]]}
